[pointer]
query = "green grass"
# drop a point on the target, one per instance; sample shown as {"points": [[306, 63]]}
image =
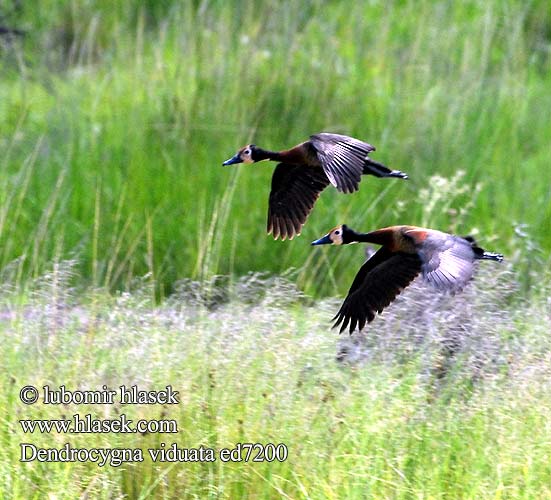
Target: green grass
{"points": [[114, 121], [397, 418]]}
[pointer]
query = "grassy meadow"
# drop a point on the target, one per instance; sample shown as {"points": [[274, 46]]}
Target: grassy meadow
{"points": [[129, 255], [452, 404]]}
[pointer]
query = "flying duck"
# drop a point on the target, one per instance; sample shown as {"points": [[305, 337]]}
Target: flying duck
{"points": [[445, 261], [306, 170]]}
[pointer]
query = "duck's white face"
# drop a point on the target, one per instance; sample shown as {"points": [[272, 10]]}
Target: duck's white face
{"points": [[246, 153], [335, 235]]}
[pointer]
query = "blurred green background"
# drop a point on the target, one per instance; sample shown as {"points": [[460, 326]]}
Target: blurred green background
{"points": [[115, 117]]}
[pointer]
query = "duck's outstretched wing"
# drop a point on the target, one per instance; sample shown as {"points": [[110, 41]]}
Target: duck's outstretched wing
{"points": [[448, 260], [295, 189], [342, 158], [376, 285]]}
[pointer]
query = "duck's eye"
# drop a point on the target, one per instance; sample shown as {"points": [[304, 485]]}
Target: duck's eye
{"points": [[338, 232], [247, 152]]}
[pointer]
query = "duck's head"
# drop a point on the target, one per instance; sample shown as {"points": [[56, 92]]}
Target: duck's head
{"points": [[246, 154], [340, 235]]}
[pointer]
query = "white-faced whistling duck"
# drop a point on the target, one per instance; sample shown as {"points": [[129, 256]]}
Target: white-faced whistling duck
{"points": [[337, 159], [446, 262]]}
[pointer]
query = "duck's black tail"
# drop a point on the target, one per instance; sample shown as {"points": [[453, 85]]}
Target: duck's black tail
{"points": [[377, 169], [480, 253], [490, 256]]}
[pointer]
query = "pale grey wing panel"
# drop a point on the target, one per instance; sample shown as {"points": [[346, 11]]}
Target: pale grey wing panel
{"points": [[342, 158], [449, 266]]}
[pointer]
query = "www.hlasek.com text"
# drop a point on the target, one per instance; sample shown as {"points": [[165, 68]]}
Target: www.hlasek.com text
{"points": [[90, 425]]}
